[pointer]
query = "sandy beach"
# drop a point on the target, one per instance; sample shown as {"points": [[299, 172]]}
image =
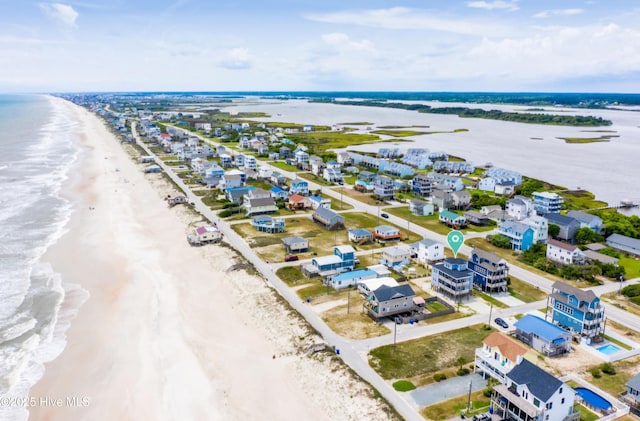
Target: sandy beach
{"points": [[167, 332]]}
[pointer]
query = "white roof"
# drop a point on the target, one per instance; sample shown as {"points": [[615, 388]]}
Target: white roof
{"points": [[345, 249], [373, 284], [327, 260], [397, 251], [381, 270]]}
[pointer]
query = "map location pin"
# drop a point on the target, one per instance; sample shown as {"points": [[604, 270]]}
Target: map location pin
{"points": [[455, 240]]}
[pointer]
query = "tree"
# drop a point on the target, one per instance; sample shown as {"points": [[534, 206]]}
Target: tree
{"points": [[585, 235], [501, 241], [554, 230]]}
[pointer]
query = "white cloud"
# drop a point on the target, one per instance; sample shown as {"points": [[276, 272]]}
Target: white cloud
{"points": [[60, 13], [498, 4], [236, 59], [411, 19], [343, 41], [558, 12]]}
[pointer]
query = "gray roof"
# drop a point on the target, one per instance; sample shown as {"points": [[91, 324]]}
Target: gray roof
{"points": [[582, 216], [486, 255], [262, 201], [594, 255], [328, 215], [561, 220], [292, 240], [634, 382], [427, 242], [582, 295], [386, 293], [624, 241], [515, 226], [540, 383], [262, 218], [417, 202]]}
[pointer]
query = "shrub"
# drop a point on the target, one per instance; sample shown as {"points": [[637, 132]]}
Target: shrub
{"points": [[608, 368], [595, 372], [462, 371], [501, 241], [439, 377], [403, 386], [631, 290]]}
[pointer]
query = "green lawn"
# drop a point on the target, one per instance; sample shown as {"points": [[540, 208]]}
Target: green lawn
{"points": [[403, 386], [489, 299], [427, 355], [312, 177], [580, 200], [291, 275], [318, 142], [587, 415], [614, 384], [525, 292], [398, 133], [336, 204], [284, 166], [631, 266], [354, 220], [452, 408]]}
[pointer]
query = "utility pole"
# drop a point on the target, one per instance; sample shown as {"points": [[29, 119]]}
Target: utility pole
{"points": [[469, 398], [348, 300], [395, 328], [490, 311], [621, 279]]}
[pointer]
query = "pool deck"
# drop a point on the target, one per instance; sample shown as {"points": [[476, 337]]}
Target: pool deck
{"points": [[621, 408], [614, 356]]}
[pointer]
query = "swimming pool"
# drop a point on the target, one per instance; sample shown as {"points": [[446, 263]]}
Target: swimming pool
{"points": [[593, 399], [608, 349]]}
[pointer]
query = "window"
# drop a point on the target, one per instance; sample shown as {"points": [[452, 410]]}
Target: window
{"points": [[560, 391], [536, 402], [549, 405], [562, 401]]}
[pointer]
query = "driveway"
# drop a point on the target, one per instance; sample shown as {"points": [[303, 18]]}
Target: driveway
{"points": [[446, 389]]}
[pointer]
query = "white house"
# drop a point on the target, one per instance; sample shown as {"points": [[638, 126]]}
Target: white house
{"points": [[429, 251], [566, 254], [540, 227], [519, 208]]}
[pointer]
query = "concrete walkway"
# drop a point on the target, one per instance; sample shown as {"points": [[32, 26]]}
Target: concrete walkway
{"points": [[446, 389]]}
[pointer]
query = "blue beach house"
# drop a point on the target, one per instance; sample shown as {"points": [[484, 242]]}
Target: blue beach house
{"points": [[520, 235], [543, 336], [576, 310]]}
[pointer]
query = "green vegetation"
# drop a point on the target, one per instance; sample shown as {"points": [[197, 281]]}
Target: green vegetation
{"points": [[291, 275], [580, 140], [580, 200], [318, 142], [615, 384], [357, 123], [631, 267], [453, 407], [586, 414], [617, 342], [427, 355], [617, 223], [525, 292], [403, 386], [481, 198], [463, 112], [399, 133], [489, 299], [585, 235], [284, 166], [501, 241]]}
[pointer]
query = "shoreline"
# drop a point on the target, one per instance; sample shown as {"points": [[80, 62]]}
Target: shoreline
{"points": [[166, 333]]}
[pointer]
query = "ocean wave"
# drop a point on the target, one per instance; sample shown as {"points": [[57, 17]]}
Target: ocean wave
{"points": [[36, 305]]}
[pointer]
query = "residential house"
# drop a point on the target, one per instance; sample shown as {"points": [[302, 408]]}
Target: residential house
{"points": [[631, 395], [428, 251], [564, 253], [452, 219], [502, 175], [360, 236], [545, 203], [284, 152], [279, 194], [367, 286], [454, 167], [152, 169], [568, 226], [319, 202], [453, 278], [520, 235], [389, 301], [226, 161], [487, 184], [265, 223], [250, 163], [383, 187], [452, 182], [490, 272], [231, 181], [366, 176], [329, 219], [476, 218], [342, 260], [505, 188], [297, 202], [205, 234], [519, 208], [540, 227], [441, 200], [396, 256], [593, 222], [421, 185], [255, 206], [299, 186], [494, 212], [579, 311], [350, 279], [592, 256], [461, 199], [386, 233], [333, 175], [624, 244], [277, 179], [499, 355], [420, 207], [238, 160], [344, 158], [543, 336], [316, 164], [302, 158], [236, 195], [397, 169], [532, 394], [295, 244]]}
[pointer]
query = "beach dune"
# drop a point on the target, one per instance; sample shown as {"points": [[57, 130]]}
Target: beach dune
{"points": [[167, 333]]}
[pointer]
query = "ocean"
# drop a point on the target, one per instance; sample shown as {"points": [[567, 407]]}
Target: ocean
{"points": [[38, 146]]}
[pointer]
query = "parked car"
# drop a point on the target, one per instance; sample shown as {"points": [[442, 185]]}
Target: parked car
{"points": [[291, 258], [482, 417], [500, 322], [384, 215]]}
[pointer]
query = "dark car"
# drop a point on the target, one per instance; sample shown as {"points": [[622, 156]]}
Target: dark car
{"points": [[384, 215], [500, 322], [291, 258]]}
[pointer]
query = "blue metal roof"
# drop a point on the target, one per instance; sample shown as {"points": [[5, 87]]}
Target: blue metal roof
{"points": [[361, 232], [542, 328], [354, 274], [277, 190]]}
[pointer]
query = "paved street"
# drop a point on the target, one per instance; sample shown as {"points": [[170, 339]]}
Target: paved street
{"points": [[446, 389], [354, 353]]}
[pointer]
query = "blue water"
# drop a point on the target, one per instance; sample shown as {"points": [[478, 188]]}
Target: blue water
{"points": [[593, 399], [608, 349], [37, 149]]}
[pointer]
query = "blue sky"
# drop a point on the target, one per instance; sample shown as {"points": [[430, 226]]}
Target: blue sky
{"points": [[427, 45]]}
